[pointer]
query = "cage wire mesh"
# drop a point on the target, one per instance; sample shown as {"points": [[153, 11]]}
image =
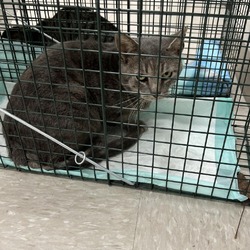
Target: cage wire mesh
{"points": [[197, 137]]}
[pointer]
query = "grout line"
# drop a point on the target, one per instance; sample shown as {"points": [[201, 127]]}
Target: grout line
{"points": [[137, 217]]}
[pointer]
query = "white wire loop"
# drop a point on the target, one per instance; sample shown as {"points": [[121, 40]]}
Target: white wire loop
{"points": [[77, 154], [83, 158]]}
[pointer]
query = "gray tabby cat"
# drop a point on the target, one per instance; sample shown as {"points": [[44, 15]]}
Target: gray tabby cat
{"points": [[60, 93]]}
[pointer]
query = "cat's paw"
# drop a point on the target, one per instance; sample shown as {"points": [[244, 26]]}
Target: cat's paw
{"points": [[37, 165]]}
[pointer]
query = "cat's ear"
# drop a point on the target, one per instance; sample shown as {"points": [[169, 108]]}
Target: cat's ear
{"points": [[176, 43], [125, 44]]}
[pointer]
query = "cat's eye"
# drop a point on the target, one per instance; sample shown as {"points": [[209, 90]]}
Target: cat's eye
{"points": [[142, 78], [167, 74]]}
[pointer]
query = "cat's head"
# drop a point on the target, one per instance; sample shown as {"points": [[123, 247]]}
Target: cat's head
{"points": [[153, 72]]}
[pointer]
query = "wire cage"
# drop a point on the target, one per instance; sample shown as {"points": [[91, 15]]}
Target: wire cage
{"points": [[194, 139]]}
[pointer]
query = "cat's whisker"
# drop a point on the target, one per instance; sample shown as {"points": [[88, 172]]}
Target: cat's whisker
{"points": [[132, 104], [121, 103], [136, 108], [131, 115], [132, 101]]}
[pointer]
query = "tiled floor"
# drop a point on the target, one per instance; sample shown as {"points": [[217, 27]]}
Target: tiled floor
{"points": [[43, 212]]}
